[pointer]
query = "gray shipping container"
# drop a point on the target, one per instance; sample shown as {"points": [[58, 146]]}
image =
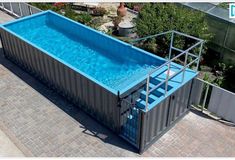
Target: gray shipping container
{"points": [[91, 97], [108, 108], [161, 118]]}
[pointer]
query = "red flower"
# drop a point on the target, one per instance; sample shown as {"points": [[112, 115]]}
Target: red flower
{"points": [[59, 4]]}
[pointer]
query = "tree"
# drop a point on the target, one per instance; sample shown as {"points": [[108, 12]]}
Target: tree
{"points": [[47, 6], [160, 17]]}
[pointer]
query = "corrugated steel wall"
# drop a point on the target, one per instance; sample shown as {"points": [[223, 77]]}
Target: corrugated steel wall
{"points": [[162, 117], [219, 101], [222, 103], [91, 97], [16, 8], [197, 92], [20, 9]]}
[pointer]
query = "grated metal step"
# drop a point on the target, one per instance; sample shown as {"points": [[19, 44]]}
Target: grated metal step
{"points": [[154, 95]]}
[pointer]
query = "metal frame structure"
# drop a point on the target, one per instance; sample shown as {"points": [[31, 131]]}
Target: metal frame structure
{"points": [[186, 53], [20, 4]]}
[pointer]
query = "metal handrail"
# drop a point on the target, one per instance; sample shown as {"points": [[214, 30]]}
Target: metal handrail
{"points": [[174, 58], [170, 77], [11, 11], [31, 6], [168, 70], [152, 89], [180, 50], [168, 63], [163, 33], [186, 35], [151, 36]]}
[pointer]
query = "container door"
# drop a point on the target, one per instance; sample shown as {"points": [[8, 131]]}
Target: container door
{"points": [[179, 103], [130, 122]]}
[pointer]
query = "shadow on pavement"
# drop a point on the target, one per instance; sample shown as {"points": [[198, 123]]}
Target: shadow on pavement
{"points": [[87, 122], [204, 115]]}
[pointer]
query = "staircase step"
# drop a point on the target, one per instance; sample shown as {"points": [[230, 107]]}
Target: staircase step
{"points": [[140, 103], [151, 85], [158, 73], [155, 82], [156, 93], [160, 89], [151, 96]]}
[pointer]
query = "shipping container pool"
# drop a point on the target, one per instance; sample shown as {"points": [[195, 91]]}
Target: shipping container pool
{"points": [[112, 66], [88, 67]]}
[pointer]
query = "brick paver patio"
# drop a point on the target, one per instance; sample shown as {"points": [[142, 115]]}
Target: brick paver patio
{"points": [[42, 123]]}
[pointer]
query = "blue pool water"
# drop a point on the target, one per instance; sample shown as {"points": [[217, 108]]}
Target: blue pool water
{"points": [[116, 70]]}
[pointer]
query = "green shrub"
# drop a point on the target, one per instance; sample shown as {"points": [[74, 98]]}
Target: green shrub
{"points": [[135, 6], [130, 5], [224, 5], [84, 18], [219, 81], [220, 67], [160, 17], [70, 13], [46, 6], [207, 78], [99, 11], [116, 21], [42, 6]]}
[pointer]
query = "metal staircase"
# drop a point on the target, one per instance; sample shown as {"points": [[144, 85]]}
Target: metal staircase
{"points": [[154, 95], [156, 87]]}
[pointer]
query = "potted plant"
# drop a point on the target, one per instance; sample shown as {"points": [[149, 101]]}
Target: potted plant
{"points": [[116, 21], [122, 10], [99, 11]]}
